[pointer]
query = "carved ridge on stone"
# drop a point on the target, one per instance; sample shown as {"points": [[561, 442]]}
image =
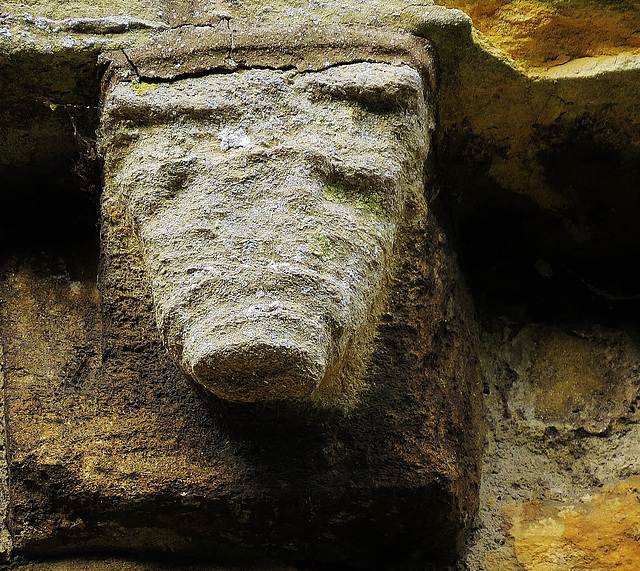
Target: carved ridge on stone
{"points": [[194, 50]]}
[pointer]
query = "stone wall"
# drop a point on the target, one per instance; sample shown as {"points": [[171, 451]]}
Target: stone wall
{"points": [[278, 357], [526, 124]]}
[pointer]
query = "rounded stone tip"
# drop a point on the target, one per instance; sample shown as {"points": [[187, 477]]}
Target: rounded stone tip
{"points": [[259, 368]]}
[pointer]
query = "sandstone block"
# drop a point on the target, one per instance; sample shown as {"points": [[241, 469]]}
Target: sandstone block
{"points": [[281, 359]]}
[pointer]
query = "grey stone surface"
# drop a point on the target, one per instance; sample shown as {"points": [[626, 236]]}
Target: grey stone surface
{"points": [[268, 205]]}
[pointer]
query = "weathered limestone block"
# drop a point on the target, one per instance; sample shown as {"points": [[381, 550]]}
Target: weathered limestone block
{"points": [[271, 229], [270, 208], [579, 378]]}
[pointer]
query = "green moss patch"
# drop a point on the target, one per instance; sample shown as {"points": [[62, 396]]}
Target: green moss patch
{"points": [[320, 245], [371, 202]]}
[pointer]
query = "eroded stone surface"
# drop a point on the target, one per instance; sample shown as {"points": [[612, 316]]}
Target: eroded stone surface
{"points": [[542, 34], [547, 151], [599, 531], [269, 222], [131, 454], [562, 435], [572, 379], [83, 9]]}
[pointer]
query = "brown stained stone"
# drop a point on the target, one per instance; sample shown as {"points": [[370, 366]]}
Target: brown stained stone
{"points": [[136, 457], [236, 45], [126, 453], [572, 378]]}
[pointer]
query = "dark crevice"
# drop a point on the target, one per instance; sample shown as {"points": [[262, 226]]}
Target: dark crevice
{"points": [[212, 71], [218, 70], [523, 263], [132, 64], [49, 221]]}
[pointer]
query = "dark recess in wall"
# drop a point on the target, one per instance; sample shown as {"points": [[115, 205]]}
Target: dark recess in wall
{"points": [[522, 261], [49, 219]]}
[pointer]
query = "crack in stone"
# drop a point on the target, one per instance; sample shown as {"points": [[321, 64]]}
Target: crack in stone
{"points": [[219, 70], [132, 64]]}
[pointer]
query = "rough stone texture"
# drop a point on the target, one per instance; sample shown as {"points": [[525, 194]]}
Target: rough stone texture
{"points": [[543, 33], [54, 9], [139, 459], [191, 50], [539, 154], [5, 538], [112, 448], [540, 164], [97, 563], [541, 167], [562, 449], [270, 228], [392, 14], [573, 379], [599, 531], [550, 153]]}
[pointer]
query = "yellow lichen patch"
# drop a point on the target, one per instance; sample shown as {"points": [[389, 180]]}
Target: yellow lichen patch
{"points": [[598, 533], [141, 88], [545, 33]]}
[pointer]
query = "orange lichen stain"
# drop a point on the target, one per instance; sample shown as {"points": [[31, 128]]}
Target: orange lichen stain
{"points": [[545, 33], [599, 532]]}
